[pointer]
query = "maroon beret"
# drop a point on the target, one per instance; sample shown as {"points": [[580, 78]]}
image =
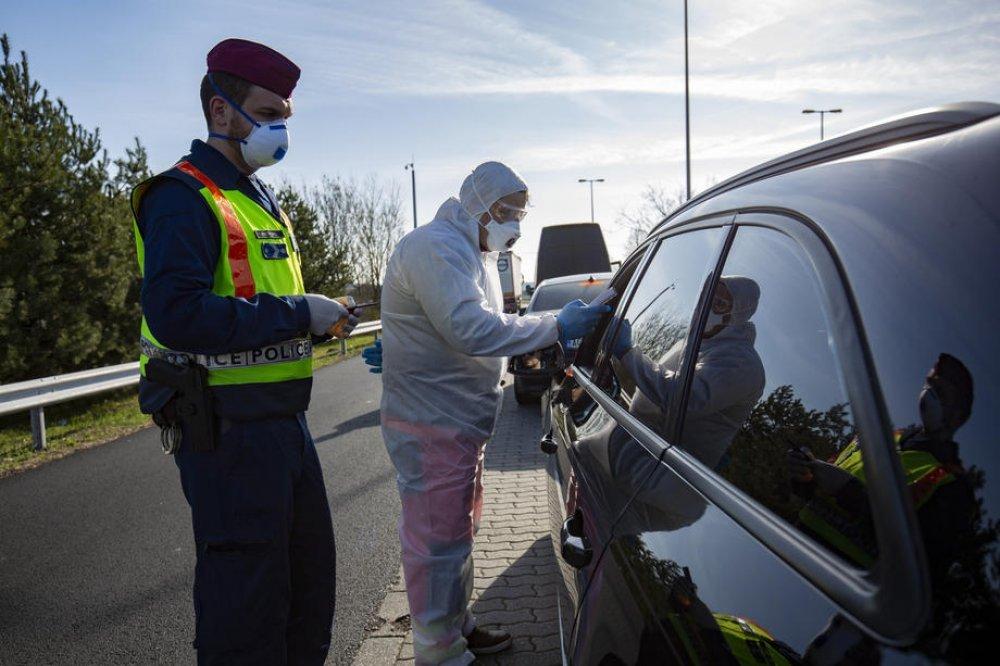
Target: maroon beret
{"points": [[255, 63]]}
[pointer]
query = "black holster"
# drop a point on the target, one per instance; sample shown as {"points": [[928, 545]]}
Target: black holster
{"points": [[192, 406]]}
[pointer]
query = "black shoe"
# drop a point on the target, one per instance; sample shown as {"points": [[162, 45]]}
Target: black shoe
{"points": [[487, 641]]}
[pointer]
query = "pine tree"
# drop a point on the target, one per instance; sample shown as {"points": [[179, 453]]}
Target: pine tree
{"points": [[67, 274]]}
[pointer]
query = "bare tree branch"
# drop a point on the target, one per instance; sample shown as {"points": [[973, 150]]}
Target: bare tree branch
{"points": [[655, 204], [378, 226]]}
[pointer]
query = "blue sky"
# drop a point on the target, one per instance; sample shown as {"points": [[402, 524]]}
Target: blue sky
{"points": [[560, 90]]}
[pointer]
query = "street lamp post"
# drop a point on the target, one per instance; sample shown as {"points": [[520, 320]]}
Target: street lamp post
{"points": [[822, 113], [413, 184], [687, 106], [591, 181]]}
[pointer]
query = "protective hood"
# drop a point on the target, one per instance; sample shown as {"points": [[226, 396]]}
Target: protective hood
{"points": [[493, 181], [452, 212], [746, 295]]}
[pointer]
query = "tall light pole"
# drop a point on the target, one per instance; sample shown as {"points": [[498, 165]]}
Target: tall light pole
{"points": [[822, 113], [687, 105], [413, 184], [591, 181]]}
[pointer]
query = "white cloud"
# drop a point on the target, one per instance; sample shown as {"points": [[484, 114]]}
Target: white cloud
{"points": [[764, 51], [640, 149]]}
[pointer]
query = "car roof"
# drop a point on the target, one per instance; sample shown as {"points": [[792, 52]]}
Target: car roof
{"points": [[579, 277], [905, 128], [564, 226]]}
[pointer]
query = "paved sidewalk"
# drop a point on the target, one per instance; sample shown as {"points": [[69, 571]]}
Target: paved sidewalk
{"points": [[516, 570]]}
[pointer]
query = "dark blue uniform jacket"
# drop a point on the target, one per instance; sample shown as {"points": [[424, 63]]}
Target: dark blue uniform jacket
{"points": [[182, 244]]}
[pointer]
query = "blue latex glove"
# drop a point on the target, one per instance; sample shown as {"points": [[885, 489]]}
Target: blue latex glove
{"points": [[623, 343], [577, 319], [373, 357]]}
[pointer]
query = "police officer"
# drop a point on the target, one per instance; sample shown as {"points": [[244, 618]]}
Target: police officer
{"points": [[940, 487], [224, 307]]}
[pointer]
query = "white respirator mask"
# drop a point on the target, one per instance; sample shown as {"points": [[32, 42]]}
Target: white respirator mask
{"points": [[266, 144], [500, 236], [715, 319]]}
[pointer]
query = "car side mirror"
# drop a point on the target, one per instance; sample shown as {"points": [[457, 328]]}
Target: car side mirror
{"points": [[534, 372], [521, 311], [537, 364]]}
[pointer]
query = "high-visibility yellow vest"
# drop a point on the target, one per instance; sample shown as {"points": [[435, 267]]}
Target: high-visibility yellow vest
{"points": [[845, 532], [258, 254], [748, 642]]}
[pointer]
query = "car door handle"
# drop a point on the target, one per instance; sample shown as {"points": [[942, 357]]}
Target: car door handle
{"points": [[574, 544], [548, 443]]}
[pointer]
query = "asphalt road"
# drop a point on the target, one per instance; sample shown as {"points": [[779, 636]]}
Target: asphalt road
{"points": [[96, 550]]}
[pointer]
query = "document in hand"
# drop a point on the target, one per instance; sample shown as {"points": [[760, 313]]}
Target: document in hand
{"points": [[608, 294]]}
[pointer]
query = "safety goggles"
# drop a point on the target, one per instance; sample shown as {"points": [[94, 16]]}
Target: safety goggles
{"points": [[514, 213], [511, 213]]}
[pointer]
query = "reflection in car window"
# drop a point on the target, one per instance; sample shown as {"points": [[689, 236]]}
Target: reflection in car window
{"points": [[651, 337], [591, 347], [931, 319], [555, 296], [767, 408]]}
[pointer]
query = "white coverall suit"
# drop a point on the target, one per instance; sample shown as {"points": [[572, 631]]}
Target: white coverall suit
{"points": [[445, 337], [728, 379]]}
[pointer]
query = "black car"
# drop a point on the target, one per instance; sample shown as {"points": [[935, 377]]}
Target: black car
{"points": [[784, 446]]}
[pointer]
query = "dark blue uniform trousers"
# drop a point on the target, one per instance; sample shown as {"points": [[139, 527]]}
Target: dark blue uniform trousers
{"points": [[264, 578]]}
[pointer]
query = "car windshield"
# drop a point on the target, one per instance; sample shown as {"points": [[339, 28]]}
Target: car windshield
{"points": [[554, 296]]}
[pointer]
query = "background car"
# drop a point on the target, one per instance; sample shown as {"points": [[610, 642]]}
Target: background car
{"points": [[783, 446], [533, 372]]}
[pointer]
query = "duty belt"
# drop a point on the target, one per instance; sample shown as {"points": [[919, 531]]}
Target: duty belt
{"points": [[282, 352]]}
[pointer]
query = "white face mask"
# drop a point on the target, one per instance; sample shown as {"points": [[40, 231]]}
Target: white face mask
{"points": [[715, 319], [931, 411], [500, 237], [266, 144]]}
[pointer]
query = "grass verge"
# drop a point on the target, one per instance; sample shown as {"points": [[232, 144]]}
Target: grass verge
{"points": [[329, 352], [81, 424]]}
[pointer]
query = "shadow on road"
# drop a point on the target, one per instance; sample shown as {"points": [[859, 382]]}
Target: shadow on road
{"points": [[369, 420]]}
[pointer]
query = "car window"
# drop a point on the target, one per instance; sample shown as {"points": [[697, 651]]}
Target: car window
{"points": [[555, 296], [927, 293], [656, 323], [588, 354], [767, 408]]}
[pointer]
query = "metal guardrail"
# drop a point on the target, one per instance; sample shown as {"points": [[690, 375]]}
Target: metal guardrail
{"points": [[36, 394]]}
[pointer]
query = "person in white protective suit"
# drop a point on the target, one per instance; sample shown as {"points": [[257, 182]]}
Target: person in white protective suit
{"points": [[728, 374], [445, 339]]}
